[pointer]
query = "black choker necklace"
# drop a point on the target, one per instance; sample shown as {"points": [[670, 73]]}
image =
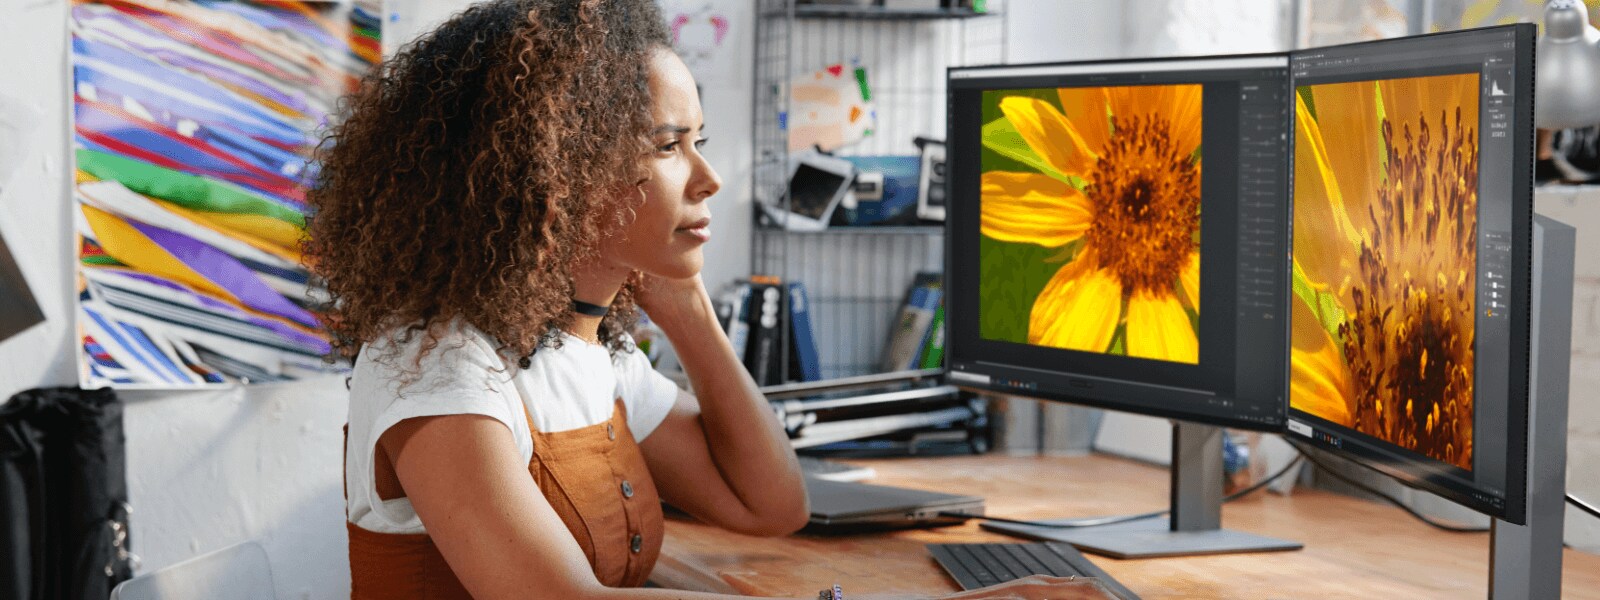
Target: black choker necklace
{"points": [[593, 310]]}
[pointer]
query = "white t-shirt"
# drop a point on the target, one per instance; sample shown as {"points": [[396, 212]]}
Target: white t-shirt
{"points": [[563, 388]]}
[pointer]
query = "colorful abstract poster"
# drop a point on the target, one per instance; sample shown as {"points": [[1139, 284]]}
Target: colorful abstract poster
{"points": [[194, 122], [1090, 226], [1385, 260]]}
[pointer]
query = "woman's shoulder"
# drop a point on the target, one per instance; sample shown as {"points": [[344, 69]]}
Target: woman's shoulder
{"points": [[414, 359], [438, 344]]}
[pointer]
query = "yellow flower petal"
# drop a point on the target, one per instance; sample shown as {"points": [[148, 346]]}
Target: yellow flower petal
{"points": [[1049, 134], [1347, 115], [1404, 100], [1079, 308], [1032, 208], [1319, 381], [1179, 104], [1189, 280], [1326, 244], [1158, 328], [1086, 109]]}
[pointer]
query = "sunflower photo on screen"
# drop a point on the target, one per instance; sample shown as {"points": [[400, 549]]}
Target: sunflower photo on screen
{"points": [[1385, 255], [1090, 226]]}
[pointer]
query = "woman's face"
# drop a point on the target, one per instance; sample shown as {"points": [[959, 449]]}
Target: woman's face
{"points": [[673, 221]]}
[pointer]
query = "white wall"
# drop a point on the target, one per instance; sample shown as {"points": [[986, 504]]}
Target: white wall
{"points": [[33, 210], [1062, 30], [1189, 27]]}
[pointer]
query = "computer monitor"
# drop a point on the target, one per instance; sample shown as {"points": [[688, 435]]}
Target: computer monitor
{"points": [[1412, 240], [1115, 237]]}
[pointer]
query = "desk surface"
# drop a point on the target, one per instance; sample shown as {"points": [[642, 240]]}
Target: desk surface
{"points": [[1354, 548]]}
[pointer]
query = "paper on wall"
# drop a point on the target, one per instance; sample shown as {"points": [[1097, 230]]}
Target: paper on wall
{"points": [[18, 310], [701, 35], [829, 108]]}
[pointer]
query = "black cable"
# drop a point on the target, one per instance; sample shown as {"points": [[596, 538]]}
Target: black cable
{"points": [[1391, 499], [1583, 506], [1098, 521]]}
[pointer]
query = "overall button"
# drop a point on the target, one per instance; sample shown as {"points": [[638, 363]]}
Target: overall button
{"points": [[627, 489], [611, 432], [638, 543]]}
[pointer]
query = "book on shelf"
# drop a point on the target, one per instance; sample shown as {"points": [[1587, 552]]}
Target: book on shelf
{"points": [[911, 327], [804, 362], [752, 312], [764, 356], [732, 314], [933, 351]]}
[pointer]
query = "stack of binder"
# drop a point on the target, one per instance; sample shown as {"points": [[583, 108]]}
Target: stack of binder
{"points": [[902, 412]]}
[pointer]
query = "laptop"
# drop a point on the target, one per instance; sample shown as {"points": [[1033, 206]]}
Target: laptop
{"points": [[843, 506]]}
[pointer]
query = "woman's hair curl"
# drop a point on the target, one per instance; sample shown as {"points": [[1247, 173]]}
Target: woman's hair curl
{"points": [[478, 165]]}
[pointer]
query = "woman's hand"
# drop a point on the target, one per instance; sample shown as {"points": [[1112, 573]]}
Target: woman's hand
{"points": [[1040, 587], [673, 300], [721, 454]]}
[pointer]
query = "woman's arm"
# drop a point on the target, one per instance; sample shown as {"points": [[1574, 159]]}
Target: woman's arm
{"points": [[721, 454], [472, 490], [490, 522]]}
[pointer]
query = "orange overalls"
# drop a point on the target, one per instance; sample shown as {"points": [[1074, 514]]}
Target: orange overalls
{"points": [[594, 477]]}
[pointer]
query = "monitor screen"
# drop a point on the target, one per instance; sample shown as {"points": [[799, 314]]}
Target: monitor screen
{"points": [[1410, 250], [1117, 232]]}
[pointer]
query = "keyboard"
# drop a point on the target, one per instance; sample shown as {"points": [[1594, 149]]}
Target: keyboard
{"points": [[982, 565], [834, 471]]}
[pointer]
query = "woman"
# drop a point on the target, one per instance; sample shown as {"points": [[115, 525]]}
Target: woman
{"points": [[502, 196]]}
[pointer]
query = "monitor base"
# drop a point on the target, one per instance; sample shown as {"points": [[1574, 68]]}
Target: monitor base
{"points": [[1195, 524]]}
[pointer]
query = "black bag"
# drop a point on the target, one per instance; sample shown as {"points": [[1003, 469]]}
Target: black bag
{"points": [[63, 495]]}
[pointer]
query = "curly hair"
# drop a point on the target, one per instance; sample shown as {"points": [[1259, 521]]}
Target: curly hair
{"points": [[478, 165]]}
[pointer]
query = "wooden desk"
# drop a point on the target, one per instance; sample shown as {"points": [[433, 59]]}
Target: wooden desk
{"points": [[1354, 548]]}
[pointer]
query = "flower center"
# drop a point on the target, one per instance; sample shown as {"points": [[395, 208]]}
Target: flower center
{"points": [[1409, 341], [1146, 198]]}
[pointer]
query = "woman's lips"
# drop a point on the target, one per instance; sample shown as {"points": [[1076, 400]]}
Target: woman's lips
{"points": [[701, 230]]}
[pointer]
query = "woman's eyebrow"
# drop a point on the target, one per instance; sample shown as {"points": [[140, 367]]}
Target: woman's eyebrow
{"points": [[674, 129]]}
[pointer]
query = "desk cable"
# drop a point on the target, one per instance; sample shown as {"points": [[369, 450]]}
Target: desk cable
{"points": [[1571, 499], [1583, 506], [1436, 524], [1098, 521]]}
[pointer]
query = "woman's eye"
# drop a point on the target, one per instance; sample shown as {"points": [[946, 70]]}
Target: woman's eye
{"points": [[670, 147], [701, 143]]}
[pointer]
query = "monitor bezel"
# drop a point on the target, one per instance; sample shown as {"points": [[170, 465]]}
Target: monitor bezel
{"points": [[953, 304], [1410, 468]]}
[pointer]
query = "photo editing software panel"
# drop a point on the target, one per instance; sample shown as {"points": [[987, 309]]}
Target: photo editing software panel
{"points": [[1116, 235], [1411, 240]]}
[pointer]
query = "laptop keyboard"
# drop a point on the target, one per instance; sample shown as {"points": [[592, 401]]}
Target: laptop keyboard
{"points": [[982, 565]]}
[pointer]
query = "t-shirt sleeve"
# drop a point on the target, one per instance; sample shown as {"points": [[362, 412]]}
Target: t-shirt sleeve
{"points": [[647, 393], [459, 376]]}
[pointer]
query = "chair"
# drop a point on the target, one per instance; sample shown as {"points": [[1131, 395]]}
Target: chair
{"points": [[238, 572]]}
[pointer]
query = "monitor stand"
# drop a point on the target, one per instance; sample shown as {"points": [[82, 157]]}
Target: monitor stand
{"points": [[1196, 523], [1525, 560]]}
